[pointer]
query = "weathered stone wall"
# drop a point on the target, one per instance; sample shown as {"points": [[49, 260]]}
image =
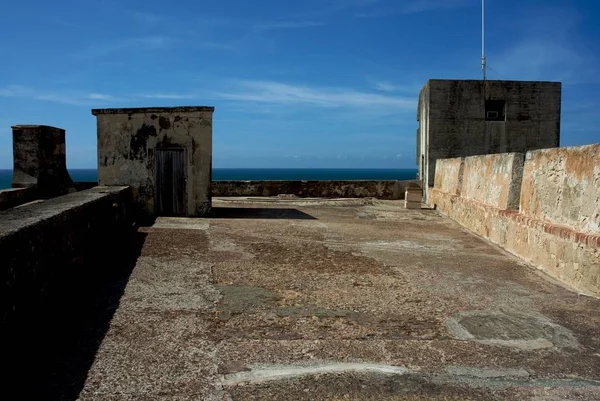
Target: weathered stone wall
{"points": [[562, 186], [556, 228], [493, 179], [38, 241], [16, 196], [317, 189], [453, 124], [40, 160], [448, 175], [128, 139]]}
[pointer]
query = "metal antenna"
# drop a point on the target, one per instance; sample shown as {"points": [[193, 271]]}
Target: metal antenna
{"points": [[483, 60]]}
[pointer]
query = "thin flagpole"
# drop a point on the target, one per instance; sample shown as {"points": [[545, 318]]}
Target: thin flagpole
{"points": [[483, 60]]}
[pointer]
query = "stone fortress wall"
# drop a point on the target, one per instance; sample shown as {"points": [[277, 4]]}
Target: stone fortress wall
{"points": [[543, 206]]}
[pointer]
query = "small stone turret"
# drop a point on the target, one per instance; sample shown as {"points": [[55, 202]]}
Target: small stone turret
{"points": [[40, 159]]}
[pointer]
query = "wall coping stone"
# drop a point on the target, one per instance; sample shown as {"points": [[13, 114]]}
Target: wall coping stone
{"points": [[13, 220], [145, 110], [36, 126]]}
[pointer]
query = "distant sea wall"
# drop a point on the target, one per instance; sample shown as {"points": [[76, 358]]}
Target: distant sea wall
{"points": [[543, 206], [392, 189]]}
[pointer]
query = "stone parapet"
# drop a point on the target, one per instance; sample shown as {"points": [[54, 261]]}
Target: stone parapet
{"points": [[555, 228], [319, 189]]}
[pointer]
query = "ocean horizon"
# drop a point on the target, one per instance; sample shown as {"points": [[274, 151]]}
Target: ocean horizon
{"points": [[264, 174]]}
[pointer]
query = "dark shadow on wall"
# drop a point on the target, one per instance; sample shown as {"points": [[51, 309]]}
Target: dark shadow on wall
{"points": [[259, 213], [53, 350]]}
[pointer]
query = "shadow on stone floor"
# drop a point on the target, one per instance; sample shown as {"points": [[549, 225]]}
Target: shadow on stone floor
{"points": [[259, 213], [50, 351]]}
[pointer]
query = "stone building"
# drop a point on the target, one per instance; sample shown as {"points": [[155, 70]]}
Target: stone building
{"points": [[39, 159], [163, 153], [459, 118]]}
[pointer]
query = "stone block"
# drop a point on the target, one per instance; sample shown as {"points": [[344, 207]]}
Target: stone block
{"points": [[413, 196], [412, 205], [493, 179], [561, 186]]}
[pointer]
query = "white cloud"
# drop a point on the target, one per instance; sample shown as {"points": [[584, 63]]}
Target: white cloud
{"points": [[282, 93], [146, 18], [535, 59], [167, 96], [418, 6], [61, 98], [14, 91], [334, 7], [18, 91], [100, 96], [76, 98], [386, 86], [143, 43], [412, 7], [548, 49], [288, 25]]}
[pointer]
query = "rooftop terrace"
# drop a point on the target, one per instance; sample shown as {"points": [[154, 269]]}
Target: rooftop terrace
{"points": [[285, 299]]}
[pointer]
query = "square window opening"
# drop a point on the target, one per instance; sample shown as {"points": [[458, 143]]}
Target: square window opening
{"points": [[495, 110]]}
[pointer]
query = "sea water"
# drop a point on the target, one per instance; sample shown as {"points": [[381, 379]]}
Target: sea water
{"points": [[263, 174]]}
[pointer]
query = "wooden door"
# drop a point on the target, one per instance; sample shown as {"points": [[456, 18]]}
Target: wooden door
{"points": [[171, 199]]}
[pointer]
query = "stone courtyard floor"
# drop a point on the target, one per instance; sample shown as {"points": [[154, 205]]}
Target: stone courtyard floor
{"points": [[294, 299]]}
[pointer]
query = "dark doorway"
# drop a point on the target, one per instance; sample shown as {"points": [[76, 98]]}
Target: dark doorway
{"points": [[170, 182]]}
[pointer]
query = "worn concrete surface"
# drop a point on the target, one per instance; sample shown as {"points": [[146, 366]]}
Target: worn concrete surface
{"points": [[340, 299]]}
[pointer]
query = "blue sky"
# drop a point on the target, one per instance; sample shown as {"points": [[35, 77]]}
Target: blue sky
{"points": [[305, 83]]}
